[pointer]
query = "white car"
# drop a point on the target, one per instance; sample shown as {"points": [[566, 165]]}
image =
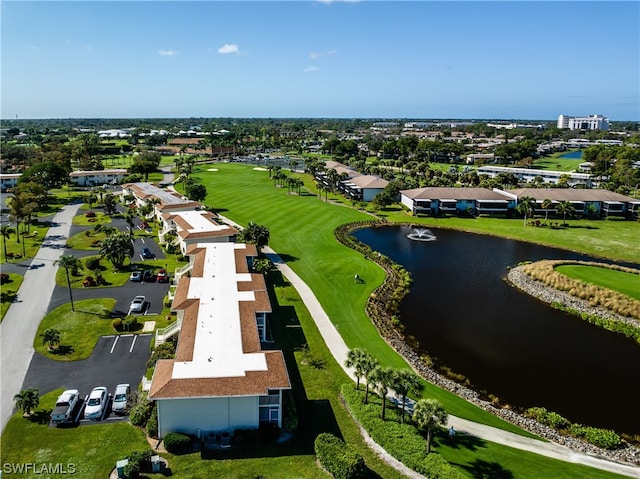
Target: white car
{"points": [[137, 305], [96, 403], [120, 398]]}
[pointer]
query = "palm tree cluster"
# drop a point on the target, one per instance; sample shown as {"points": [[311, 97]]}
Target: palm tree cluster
{"points": [[427, 413]]}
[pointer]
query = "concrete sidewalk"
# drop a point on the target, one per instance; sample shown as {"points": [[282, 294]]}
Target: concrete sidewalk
{"points": [[20, 324], [339, 350]]}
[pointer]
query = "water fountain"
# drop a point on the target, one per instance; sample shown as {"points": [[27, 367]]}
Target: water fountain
{"points": [[421, 234]]}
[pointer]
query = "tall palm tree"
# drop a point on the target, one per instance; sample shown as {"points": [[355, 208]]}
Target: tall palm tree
{"points": [[406, 381], [5, 231], [428, 413], [525, 207], [51, 337], [382, 378], [355, 359], [546, 204], [565, 208], [69, 263], [27, 400]]}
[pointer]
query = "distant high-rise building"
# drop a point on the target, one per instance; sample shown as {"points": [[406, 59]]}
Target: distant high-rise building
{"points": [[593, 122]]}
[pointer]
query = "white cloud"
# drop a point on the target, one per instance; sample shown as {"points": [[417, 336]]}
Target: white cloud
{"points": [[316, 55], [229, 48], [311, 69], [167, 53]]}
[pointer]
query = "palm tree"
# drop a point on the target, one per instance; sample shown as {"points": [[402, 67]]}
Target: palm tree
{"points": [[27, 400], [116, 248], [5, 231], [355, 359], [91, 199], [428, 413], [525, 207], [383, 378], [546, 204], [51, 337], [368, 365], [69, 262], [565, 208], [406, 381]]}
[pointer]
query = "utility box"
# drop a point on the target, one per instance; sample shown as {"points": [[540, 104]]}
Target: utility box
{"points": [[156, 464], [120, 465]]}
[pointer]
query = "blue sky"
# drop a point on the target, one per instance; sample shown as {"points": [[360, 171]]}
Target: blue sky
{"points": [[368, 59]]}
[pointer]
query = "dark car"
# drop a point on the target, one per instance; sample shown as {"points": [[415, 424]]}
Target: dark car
{"points": [[146, 253], [148, 276]]}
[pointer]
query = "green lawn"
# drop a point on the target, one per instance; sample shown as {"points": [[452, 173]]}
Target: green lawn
{"points": [[302, 233], [92, 450], [79, 329], [621, 281], [28, 245], [99, 219], [9, 291], [556, 163]]}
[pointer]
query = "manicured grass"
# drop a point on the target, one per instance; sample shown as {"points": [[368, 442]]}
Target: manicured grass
{"points": [[302, 233], [9, 291], [79, 329], [28, 245], [87, 240], [99, 219], [556, 163], [93, 450], [621, 281]]}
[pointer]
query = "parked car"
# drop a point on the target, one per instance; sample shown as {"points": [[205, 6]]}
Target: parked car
{"points": [[137, 305], [162, 276], [66, 403], [96, 403], [146, 253], [120, 399], [148, 276], [136, 276]]}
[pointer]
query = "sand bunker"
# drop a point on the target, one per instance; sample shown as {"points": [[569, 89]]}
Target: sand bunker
{"points": [[260, 168]]}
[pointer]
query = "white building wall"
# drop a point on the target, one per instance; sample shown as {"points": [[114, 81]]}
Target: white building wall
{"points": [[207, 414], [408, 202]]}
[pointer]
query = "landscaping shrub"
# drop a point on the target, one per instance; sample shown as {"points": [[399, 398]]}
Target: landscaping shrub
{"points": [[130, 324], [177, 443], [139, 461], [93, 263], [117, 324], [4, 278], [90, 214], [152, 423], [603, 438], [338, 458], [141, 411], [548, 418]]}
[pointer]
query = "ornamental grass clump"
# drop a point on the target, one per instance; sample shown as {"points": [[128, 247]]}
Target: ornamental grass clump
{"points": [[545, 272]]}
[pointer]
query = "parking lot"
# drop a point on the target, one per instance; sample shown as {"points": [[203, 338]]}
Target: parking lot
{"points": [[115, 360]]}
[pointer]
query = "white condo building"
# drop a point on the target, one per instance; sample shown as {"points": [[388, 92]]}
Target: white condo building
{"points": [[593, 122]]}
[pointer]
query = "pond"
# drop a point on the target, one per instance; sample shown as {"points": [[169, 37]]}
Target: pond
{"points": [[463, 313], [572, 155]]}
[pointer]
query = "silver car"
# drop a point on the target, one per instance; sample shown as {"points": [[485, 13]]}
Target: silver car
{"points": [[137, 305], [96, 403], [120, 399]]}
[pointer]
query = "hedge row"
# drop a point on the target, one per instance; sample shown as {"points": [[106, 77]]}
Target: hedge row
{"points": [[402, 440], [341, 460], [177, 443]]}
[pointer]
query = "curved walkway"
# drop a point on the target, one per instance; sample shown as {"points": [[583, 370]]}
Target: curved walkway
{"points": [[339, 350], [20, 324]]}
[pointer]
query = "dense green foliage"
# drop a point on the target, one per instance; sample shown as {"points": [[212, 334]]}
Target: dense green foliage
{"points": [[177, 443], [338, 458]]}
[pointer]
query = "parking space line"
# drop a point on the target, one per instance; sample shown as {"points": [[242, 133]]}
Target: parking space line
{"points": [[114, 345], [133, 343]]}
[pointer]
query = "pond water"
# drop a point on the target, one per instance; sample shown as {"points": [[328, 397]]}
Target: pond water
{"points": [[464, 314], [572, 155]]}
